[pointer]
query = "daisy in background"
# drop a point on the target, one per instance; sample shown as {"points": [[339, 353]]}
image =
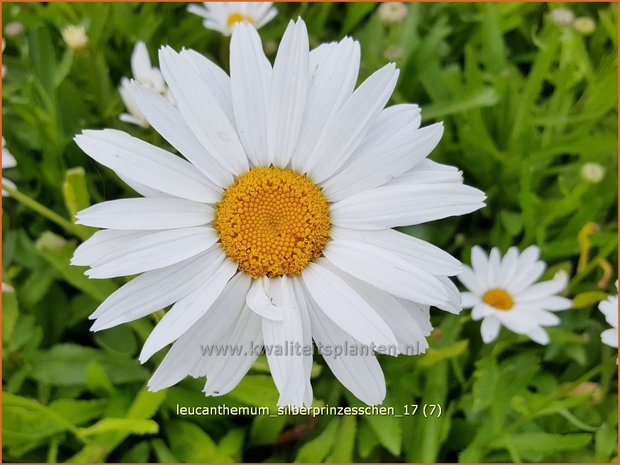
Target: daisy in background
{"points": [[275, 228], [502, 293], [222, 16], [609, 308], [148, 76], [8, 161]]}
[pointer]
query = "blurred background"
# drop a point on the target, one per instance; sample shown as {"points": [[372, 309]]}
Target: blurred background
{"points": [[528, 96]]}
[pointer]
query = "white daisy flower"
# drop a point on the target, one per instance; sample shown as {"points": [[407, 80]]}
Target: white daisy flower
{"points": [[275, 230], [502, 292], [609, 308], [392, 12], [148, 76], [8, 161], [75, 36], [562, 17], [222, 16]]}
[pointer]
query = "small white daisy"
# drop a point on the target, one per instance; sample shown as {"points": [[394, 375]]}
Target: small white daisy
{"points": [[222, 16], [609, 308], [276, 227], [75, 37], [8, 161], [148, 76], [392, 12], [584, 25], [502, 292], [562, 17], [592, 172]]}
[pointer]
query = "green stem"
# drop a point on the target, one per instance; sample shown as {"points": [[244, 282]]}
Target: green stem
{"points": [[46, 212]]}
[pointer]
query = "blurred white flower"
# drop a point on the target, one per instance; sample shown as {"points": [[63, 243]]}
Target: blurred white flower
{"points": [[392, 12], [222, 16], [6, 287], [593, 172], [584, 25], [562, 17], [13, 29], [8, 161], [3, 67], [75, 36], [393, 53], [502, 292], [277, 226], [146, 75], [609, 308]]}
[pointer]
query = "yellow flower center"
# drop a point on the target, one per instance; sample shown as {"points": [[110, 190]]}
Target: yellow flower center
{"points": [[237, 17], [498, 298], [272, 222]]}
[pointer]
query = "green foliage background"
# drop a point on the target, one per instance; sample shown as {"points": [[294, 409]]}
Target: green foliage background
{"points": [[525, 104]]}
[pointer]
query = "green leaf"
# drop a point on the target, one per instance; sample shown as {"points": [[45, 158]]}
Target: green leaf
{"points": [[75, 192], [543, 442], [436, 355], [65, 364], [389, 431], [9, 315], [318, 448], [344, 441], [79, 411], [190, 443], [256, 390], [138, 426], [265, 429], [588, 299], [57, 252], [26, 422]]}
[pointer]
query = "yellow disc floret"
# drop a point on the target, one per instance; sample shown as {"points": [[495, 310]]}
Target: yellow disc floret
{"points": [[273, 222], [498, 298], [237, 17]]}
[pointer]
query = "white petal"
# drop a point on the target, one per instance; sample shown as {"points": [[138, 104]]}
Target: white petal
{"points": [[288, 93], [187, 311], [143, 190], [493, 269], [202, 112], [333, 73], [186, 352], [406, 329], [361, 374], [420, 253], [226, 370], [250, 78], [215, 78], [390, 206], [345, 307], [287, 369], [302, 301], [387, 271], [167, 120], [470, 281], [152, 251], [480, 266], [610, 337], [489, 329], [154, 290], [146, 164], [468, 300], [100, 245], [539, 335], [376, 165], [390, 122], [482, 310], [508, 267], [541, 290], [420, 313], [553, 303], [343, 135], [146, 213], [430, 172], [260, 300]]}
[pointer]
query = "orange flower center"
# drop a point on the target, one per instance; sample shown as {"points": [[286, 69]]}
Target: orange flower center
{"points": [[498, 298], [273, 222], [237, 17]]}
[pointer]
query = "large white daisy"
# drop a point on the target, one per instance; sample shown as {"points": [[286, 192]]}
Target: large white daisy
{"points": [[609, 308], [148, 76], [276, 227], [502, 293], [222, 16], [8, 161]]}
